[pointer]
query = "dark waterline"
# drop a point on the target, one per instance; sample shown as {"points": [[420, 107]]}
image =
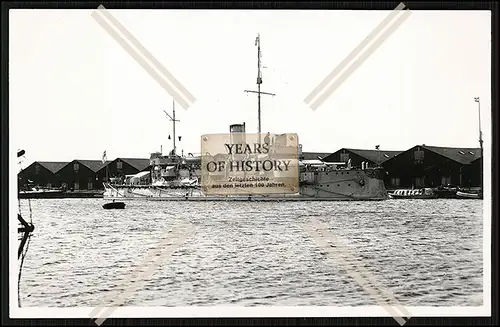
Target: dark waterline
{"points": [[426, 252]]}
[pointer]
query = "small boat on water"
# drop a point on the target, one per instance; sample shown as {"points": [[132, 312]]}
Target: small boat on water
{"points": [[422, 193], [114, 205], [465, 195], [446, 191]]}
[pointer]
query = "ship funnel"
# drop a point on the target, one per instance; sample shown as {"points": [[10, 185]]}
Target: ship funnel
{"points": [[237, 133], [237, 128]]}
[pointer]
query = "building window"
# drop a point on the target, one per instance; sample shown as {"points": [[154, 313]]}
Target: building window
{"points": [[77, 185], [90, 186], [49, 185], [119, 165], [445, 180], [419, 182], [419, 156], [395, 181], [76, 166], [344, 157], [37, 169]]}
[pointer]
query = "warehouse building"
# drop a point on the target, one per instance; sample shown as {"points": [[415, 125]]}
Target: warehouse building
{"points": [[432, 166], [40, 174], [120, 167], [81, 175]]}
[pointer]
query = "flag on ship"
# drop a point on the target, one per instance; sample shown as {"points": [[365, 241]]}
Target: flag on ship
{"points": [[104, 158], [377, 147], [476, 99]]}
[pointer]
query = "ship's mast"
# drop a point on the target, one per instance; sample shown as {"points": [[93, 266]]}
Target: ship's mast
{"points": [[172, 118], [259, 82]]}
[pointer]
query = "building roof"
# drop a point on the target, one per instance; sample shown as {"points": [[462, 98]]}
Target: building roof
{"points": [[94, 165], [373, 155], [314, 155], [476, 160], [137, 163], [53, 166], [461, 155]]}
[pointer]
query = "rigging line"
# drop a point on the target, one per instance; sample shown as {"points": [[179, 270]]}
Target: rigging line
{"points": [[21, 269], [139, 194], [25, 238], [29, 200], [19, 200], [31, 211], [339, 181], [324, 190], [116, 190]]}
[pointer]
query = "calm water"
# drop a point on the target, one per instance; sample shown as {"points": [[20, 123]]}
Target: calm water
{"points": [[426, 252]]}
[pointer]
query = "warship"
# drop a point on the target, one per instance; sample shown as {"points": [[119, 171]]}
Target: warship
{"points": [[177, 177]]}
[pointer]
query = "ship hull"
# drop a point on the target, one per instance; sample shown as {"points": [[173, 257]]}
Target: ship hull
{"points": [[348, 185], [244, 199]]}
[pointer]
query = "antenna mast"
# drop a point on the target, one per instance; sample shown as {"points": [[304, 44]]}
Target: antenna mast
{"points": [[172, 118], [480, 139], [259, 80]]}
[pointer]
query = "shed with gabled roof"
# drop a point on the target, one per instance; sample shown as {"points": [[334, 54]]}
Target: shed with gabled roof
{"points": [[81, 174], [40, 174], [433, 166], [120, 167]]}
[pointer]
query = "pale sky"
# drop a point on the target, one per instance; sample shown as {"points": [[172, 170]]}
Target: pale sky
{"points": [[74, 92]]}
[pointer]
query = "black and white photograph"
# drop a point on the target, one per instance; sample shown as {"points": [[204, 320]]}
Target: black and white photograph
{"points": [[249, 163]]}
